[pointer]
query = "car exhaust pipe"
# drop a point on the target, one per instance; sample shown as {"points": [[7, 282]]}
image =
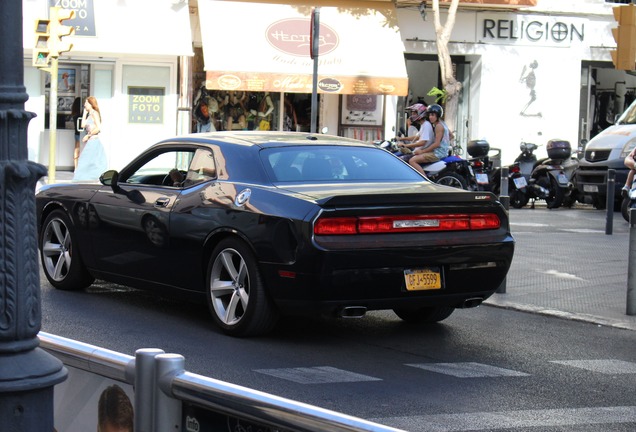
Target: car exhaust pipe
{"points": [[472, 302], [353, 312]]}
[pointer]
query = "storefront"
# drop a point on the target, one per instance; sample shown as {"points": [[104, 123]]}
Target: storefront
{"points": [[258, 73], [124, 56], [530, 74]]}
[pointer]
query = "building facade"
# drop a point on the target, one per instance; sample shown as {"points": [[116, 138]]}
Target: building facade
{"points": [[529, 73], [122, 55], [531, 70]]}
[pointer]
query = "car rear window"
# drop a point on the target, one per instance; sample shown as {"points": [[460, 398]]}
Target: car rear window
{"points": [[334, 164]]}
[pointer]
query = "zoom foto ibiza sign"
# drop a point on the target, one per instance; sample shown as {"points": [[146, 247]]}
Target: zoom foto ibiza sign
{"points": [[146, 104]]}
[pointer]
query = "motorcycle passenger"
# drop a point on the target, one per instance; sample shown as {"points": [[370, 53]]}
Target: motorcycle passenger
{"points": [[441, 142]]}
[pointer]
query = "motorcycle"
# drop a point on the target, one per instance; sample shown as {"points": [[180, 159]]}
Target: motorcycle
{"points": [[482, 164], [449, 171], [544, 179]]}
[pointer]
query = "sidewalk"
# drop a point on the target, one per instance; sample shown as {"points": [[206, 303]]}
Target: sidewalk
{"points": [[566, 266]]}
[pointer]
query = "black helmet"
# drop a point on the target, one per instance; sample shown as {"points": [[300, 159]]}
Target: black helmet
{"points": [[437, 109]]}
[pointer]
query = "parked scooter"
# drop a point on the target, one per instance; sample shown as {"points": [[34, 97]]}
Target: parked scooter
{"points": [[571, 167], [545, 179], [450, 171], [482, 165]]}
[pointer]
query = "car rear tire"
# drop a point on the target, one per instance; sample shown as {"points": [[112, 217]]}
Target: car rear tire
{"points": [[425, 314], [61, 261], [236, 293]]}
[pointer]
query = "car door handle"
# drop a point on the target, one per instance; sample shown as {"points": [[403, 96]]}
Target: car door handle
{"points": [[162, 202]]}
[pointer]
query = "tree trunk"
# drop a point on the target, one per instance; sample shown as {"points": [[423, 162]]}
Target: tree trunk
{"points": [[449, 82]]}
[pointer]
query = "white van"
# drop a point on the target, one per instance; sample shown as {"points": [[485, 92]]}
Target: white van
{"points": [[605, 151]]}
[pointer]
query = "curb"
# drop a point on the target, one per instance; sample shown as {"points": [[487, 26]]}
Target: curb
{"points": [[591, 319]]}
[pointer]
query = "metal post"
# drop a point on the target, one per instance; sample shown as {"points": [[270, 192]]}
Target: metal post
{"points": [[505, 201], [53, 120], [504, 198], [167, 408], [315, 45], [609, 220], [145, 388], [27, 372], [631, 267]]}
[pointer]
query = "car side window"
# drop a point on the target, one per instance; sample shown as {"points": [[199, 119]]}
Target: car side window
{"points": [[202, 168], [168, 168]]}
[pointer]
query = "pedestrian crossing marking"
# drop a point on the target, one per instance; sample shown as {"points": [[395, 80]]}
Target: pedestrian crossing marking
{"points": [[608, 366], [316, 375], [532, 419], [468, 370]]}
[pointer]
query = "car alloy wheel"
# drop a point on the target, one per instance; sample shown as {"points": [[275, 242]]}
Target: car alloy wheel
{"points": [[62, 264], [236, 293]]}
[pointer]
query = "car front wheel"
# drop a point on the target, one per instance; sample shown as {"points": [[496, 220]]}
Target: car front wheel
{"points": [[62, 264], [236, 293], [424, 315]]}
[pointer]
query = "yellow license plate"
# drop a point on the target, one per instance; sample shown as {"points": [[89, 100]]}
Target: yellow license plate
{"points": [[422, 279]]}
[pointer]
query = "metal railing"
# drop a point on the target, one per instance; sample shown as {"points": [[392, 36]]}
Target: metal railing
{"points": [[162, 386]]}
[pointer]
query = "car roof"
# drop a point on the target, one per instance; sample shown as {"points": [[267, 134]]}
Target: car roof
{"points": [[265, 139]]}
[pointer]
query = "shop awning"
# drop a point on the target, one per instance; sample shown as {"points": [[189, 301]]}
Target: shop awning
{"points": [[114, 28], [265, 47]]}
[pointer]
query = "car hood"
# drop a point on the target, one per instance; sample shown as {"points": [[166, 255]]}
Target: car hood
{"points": [[387, 193], [611, 137]]}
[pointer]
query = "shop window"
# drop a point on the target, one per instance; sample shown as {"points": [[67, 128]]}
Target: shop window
{"points": [[362, 117], [220, 110], [71, 79]]}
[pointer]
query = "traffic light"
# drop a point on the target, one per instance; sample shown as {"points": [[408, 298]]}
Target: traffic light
{"points": [[41, 51], [624, 57], [58, 30]]}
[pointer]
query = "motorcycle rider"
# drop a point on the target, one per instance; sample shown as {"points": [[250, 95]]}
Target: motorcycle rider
{"points": [[423, 138], [413, 122], [438, 149], [631, 164]]}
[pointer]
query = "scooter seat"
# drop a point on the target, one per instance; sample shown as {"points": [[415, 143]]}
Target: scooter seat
{"points": [[452, 158], [434, 167]]}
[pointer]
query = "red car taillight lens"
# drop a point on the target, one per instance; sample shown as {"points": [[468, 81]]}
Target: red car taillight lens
{"points": [[333, 226], [406, 223]]}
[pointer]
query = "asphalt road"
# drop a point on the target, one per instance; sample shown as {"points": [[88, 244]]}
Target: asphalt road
{"points": [[481, 369]]}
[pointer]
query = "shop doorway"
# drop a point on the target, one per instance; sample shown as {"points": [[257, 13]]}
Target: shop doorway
{"points": [[605, 94], [424, 75]]}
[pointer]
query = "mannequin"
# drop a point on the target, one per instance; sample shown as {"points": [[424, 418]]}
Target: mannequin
{"points": [[265, 110], [235, 110]]}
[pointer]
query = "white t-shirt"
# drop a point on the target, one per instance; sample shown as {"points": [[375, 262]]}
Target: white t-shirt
{"points": [[426, 133]]}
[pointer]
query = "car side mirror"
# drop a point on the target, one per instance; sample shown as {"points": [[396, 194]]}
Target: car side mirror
{"points": [[110, 178]]}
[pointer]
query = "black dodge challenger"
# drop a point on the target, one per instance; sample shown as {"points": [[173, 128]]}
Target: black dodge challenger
{"points": [[264, 223]]}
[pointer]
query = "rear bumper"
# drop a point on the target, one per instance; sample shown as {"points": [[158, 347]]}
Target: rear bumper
{"points": [[376, 280]]}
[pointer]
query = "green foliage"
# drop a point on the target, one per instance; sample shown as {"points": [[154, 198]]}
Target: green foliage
{"points": [[440, 95]]}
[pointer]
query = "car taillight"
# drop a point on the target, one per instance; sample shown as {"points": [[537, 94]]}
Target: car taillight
{"points": [[406, 223]]}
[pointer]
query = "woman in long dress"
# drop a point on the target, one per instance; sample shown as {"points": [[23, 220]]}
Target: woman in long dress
{"points": [[92, 161]]}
